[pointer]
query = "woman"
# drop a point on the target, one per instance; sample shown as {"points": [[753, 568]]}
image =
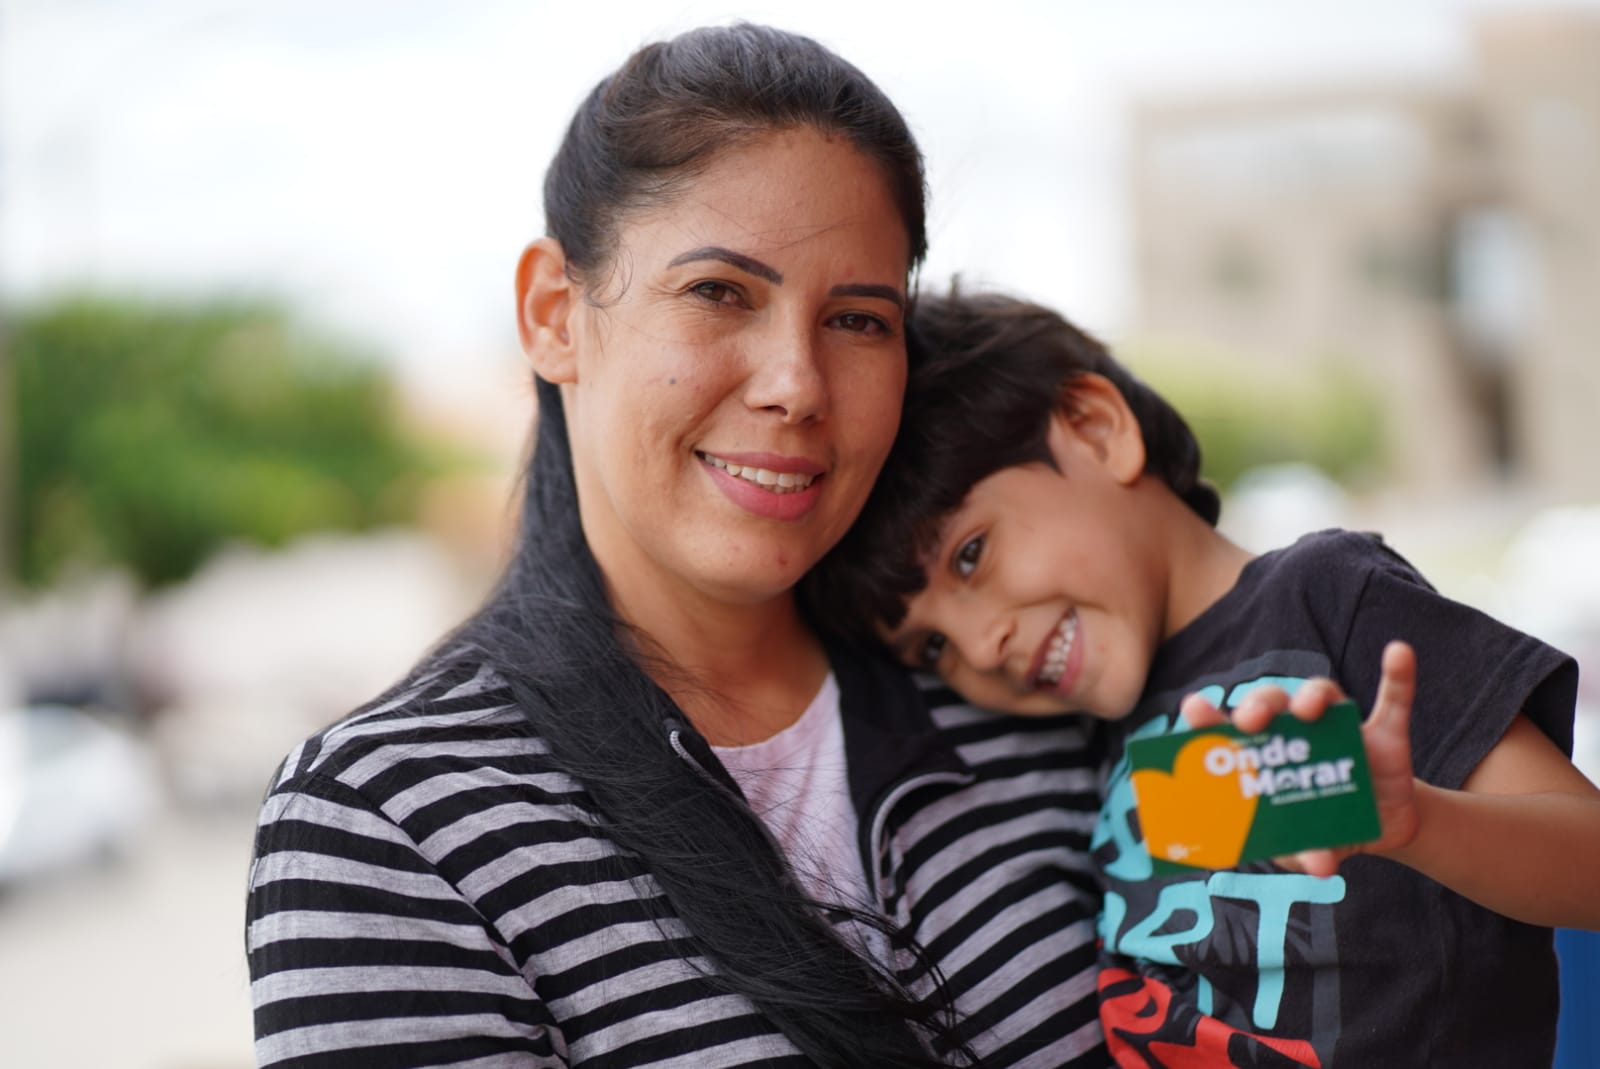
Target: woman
{"points": [[530, 853]]}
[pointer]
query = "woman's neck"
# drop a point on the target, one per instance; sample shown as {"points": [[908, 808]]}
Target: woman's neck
{"points": [[740, 672]]}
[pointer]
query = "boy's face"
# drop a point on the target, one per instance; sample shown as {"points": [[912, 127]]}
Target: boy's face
{"points": [[1046, 593]]}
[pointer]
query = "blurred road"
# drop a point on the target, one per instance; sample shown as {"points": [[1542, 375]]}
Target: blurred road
{"points": [[138, 963]]}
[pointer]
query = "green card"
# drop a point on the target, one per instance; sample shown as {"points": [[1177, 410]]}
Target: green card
{"points": [[1214, 797]]}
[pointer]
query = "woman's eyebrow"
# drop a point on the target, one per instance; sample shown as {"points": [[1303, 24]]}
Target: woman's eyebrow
{"points": [[748, 265], [751, 266], [870, 289]]}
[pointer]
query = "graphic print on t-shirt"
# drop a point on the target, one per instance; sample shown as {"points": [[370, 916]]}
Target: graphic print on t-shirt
{"points": [[1381, 965], [1234, 967]]}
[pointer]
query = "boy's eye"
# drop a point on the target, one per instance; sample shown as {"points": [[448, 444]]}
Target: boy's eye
{"points": [[931, 650], [965, 561]]}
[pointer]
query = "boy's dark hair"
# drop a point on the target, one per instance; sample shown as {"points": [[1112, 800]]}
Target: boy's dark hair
{"points": [[988, 374]]}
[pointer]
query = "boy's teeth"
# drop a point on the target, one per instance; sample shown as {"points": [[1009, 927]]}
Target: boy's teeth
{"points": [[1055, 659], [777, 481]]}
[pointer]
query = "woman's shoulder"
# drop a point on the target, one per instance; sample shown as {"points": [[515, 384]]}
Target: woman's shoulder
{"points": [[452, 728], [443, 774]]}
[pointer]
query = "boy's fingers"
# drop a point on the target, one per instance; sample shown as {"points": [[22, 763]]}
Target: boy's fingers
{"points": [[1314, 696], [1397, 688], [1258, 707], [1199, 713], [1323, 863]]}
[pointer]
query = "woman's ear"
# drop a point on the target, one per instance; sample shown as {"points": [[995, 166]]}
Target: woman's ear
{"points": [[547, 299], [1094, 416]]}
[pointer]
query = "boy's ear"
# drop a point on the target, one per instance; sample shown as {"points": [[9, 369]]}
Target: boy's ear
{"points": [[1095, 416], [547, 299]]}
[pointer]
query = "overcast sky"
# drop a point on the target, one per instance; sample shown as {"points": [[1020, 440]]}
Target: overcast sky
{"points": [[378, 162]]}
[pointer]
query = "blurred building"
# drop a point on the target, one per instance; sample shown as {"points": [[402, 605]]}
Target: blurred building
{"points": [[1446, 237]]}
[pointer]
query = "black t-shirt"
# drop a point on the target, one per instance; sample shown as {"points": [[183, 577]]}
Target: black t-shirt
{"points": [[1376, 966]]}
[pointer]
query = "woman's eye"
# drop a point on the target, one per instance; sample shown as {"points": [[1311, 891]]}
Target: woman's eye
{"points": [[715, 292], [861, 323], [965, 561], [931, 650]]}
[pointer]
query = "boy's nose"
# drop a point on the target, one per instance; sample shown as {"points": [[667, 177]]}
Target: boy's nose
{"points": [[986, 638]]}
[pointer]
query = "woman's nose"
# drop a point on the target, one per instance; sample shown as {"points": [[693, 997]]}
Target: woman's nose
{"points": [[787, 376]]}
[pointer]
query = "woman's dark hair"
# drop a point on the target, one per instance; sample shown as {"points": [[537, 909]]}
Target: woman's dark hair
{"points": [[988, 373], [674, 107], [575, 667]]}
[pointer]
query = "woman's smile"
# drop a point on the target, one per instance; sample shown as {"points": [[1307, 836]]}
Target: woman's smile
{"points": [[735, 391], [778, 488], [785, 475]]}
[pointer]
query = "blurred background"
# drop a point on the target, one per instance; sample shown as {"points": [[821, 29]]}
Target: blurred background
{"points": [[261, 401]]}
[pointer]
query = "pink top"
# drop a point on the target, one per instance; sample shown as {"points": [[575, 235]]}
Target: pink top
{"points": [[796, 782]]}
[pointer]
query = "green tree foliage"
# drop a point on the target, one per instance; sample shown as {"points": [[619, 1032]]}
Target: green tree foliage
{"points": [[1247, 415], [149, 435]]}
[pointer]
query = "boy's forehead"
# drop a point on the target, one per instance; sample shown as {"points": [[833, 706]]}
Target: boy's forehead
{"points": [[933, 542], [932, 552], [922, 608], [902, 637]]}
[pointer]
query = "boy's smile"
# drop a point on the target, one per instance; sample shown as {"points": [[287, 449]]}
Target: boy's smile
{"points": [[1061, 658], [1047, 589], [1050, 589]]}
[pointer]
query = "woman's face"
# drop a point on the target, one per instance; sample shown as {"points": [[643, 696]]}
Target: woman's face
{"points": [[737, 372]]}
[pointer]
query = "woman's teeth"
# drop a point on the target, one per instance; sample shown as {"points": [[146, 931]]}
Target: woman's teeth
{"points": [[779, 482], [1055, 659]]}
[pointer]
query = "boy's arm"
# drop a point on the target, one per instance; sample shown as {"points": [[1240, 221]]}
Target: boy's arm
{"points": [[1521, 836]]}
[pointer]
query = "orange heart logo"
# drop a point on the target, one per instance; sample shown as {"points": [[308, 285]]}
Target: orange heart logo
{"points": [[1190, 815]]}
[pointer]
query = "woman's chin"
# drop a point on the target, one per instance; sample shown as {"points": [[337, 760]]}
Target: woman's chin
{"points": [[753, 587]]}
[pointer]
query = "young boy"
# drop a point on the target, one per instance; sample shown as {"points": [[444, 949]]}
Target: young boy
{"points": [[1042, 540]]}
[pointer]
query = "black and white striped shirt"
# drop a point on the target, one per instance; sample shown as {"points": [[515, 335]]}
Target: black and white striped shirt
{"points": [[430, 889]]}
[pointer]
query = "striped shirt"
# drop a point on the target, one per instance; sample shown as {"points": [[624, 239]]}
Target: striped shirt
{"points": [[430, 889]]}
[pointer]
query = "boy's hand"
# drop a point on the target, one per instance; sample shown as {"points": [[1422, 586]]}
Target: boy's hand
{"points": [[1385, 734]]}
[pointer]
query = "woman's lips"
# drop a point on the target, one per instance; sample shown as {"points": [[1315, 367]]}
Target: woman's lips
{"points": [[778, 474], [767, 484]]}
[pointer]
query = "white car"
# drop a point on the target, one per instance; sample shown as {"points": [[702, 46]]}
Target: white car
{"points": [[73, 789]]}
